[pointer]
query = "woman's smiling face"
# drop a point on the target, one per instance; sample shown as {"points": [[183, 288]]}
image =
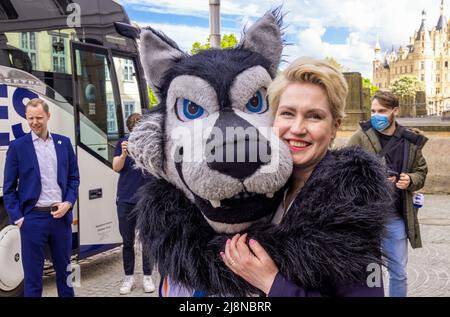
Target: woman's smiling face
{"points": [[305, 123]]}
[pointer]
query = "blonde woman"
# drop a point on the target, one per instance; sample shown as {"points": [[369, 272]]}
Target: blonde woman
{"points": [[324, 239]]}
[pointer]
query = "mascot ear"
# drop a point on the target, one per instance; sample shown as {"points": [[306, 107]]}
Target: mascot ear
{"points": [[146, 143], [158, 54], [265, 37]]}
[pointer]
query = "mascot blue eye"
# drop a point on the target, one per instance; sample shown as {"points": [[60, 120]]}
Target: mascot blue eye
{"points": [[257, 103], [187, 110]]}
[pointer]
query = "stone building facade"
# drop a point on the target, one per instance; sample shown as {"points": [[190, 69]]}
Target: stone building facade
{"points": [[426, 57]]}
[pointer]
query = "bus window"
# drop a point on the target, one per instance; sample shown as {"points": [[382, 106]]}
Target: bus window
{"points": [[128, 87], [45, 54], [96, 103]]}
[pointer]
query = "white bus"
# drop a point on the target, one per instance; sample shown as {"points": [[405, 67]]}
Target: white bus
{"points": [[81, 57]]}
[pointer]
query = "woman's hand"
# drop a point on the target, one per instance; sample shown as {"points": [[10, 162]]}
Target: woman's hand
{"points": [[252, 264]]}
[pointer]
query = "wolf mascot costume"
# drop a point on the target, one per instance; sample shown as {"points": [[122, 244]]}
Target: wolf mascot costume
{"points": [[212, 180]]}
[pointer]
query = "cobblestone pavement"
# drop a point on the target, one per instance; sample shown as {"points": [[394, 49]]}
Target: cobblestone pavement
{"points": [[428, 267]]}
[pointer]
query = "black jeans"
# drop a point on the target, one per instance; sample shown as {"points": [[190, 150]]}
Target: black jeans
{"points": [[127, 228]]}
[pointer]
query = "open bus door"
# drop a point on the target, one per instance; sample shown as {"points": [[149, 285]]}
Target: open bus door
{"points": [[98, 125], [91, 90]]}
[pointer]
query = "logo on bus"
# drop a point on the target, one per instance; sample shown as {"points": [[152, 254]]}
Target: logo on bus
{"points": [[18, 97]]}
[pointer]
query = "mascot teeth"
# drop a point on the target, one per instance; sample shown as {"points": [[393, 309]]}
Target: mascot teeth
{"points": [[211, 135], [215, 203], [213, 105]]}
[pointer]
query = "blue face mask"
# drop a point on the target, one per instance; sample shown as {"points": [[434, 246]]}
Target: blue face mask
{"points": [[380, 122]]}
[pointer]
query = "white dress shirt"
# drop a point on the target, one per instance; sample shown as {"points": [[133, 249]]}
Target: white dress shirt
{"points": [[48, 166]]}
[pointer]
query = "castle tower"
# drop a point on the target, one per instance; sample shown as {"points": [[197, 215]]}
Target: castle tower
{"points": [[442, 22], [426, 57], [377, 50], [377, 64]]}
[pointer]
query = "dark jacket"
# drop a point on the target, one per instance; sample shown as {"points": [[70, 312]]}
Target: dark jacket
{"points": [[327, 240], [22, 182], [414, 165], [281, 287]]}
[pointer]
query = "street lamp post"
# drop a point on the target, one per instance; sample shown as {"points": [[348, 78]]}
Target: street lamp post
{"points": [[214, 23]]}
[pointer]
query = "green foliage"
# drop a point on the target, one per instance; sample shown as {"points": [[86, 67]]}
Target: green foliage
{"points": [[366, 83], [228, 41], [406, 86], [152, 98], [197, 47]]}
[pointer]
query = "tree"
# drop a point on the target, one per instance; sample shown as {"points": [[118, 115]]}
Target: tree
{"points": [[152, 98], [228, 41], [406, 87], [366, 83], [334, 63]]}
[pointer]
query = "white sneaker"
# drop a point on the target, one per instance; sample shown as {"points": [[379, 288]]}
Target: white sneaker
{"points": [[127, 285], [147, 282]]}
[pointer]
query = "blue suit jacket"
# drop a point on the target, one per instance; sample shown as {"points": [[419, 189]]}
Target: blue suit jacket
{"points": [[22, 180]]}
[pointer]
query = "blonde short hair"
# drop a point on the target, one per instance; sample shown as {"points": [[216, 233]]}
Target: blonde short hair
{"points": [[36, 102], [309, 70]]}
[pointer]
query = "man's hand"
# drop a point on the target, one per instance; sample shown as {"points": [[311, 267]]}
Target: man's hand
{"points": [[404, 181], [63, 208], [124, 145]]}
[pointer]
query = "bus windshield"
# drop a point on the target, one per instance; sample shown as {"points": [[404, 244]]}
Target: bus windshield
{"points": [[91, 66], [45, 54]]}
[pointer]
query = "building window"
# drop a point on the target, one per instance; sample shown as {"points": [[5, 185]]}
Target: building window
{"points": [[438, 78], [422, 77], [412, 68], [446, 64], [438, 91], [128, 70], [422, 65], [111, 119], [128, 109], [29, 46], [59, 54]]}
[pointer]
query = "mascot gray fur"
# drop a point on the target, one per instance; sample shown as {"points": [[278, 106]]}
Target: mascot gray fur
{"points": [[194, 204]]}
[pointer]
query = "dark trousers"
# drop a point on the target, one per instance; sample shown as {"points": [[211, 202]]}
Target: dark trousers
{"points": [[39, 229], [127, 228]]}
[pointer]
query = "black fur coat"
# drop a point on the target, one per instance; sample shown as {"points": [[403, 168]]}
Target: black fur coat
{"points": [[327, 238]]}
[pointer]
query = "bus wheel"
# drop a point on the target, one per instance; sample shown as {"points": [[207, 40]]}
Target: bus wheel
{"points": [[11, 271]]}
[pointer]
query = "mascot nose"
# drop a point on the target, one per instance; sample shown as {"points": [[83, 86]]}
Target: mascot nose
{"points": [[235, 147]]}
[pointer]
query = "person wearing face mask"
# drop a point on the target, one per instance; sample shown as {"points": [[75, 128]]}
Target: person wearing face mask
{"points": [[400, 149]]}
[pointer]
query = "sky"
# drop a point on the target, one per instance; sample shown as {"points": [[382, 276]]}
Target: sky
{"points": [[345, 30]]}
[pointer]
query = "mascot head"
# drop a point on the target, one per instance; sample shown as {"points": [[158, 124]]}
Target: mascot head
{"points": [[211, 134]]}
